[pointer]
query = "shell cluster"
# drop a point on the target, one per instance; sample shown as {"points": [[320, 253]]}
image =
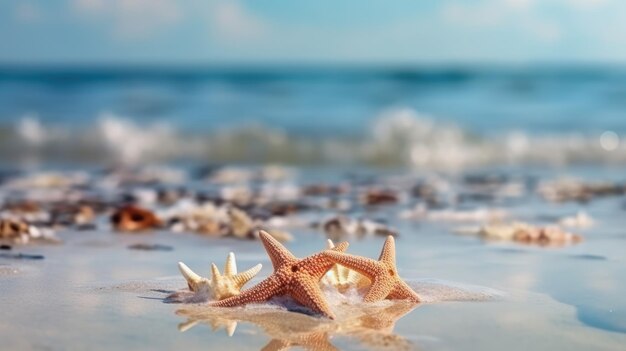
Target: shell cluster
{"points": [[238, 202], [529, 234]]}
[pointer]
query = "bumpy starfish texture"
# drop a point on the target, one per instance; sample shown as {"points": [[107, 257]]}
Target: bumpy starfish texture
{"points": [[298, 278], [386, 283], [220, 286], [343, 278]]}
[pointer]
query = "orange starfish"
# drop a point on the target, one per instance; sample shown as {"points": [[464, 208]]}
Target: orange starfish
{"points": [[386, 283], [298, 278]]}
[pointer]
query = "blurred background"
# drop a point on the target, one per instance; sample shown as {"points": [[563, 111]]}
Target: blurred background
{"points": [[421, 84]]}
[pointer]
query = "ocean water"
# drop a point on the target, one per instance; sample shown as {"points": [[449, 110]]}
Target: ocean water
{"points": [[365, 128], [433, 117]]}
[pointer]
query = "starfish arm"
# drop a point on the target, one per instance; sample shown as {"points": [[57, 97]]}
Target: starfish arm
{"points": [[231, 265], [388, 253], [307, 292], [402, 291], [262, 292], [341, 247], [193, 280], [379, 290], [279, 255], [242, 278], [363, 265], [318, 265], [216, 278], [215, 272]]}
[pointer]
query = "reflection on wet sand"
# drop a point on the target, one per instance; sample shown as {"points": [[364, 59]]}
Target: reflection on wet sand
{"points": [[371, 324], [374, 327]]}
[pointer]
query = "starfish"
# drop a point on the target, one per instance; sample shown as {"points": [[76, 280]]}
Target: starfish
{"points": [[219, 286], [298, 278], [386, 283], [341, 277]]}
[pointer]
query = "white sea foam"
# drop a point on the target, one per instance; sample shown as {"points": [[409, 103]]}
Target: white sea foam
{"points": [[429, 291], [397, 137], [30, 130], [130, 142]]}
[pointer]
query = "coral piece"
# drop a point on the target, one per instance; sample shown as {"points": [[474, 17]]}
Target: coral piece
{"points": [[342, 226], [20, 232], [574, 190], [134, 219], [14, 231], [580, 220], [240, 223], [379, 197]]}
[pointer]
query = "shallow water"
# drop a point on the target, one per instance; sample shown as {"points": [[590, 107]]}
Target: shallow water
{"points": [[92, 292], [434, 117]]}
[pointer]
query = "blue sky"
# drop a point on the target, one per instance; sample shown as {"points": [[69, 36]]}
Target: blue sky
{"points": [[321, 31]]}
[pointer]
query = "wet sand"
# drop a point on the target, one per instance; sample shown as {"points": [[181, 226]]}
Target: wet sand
{"points": [[93, 292]]}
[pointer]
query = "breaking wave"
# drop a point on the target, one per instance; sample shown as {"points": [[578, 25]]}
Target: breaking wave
{"points": [[397, 137]]}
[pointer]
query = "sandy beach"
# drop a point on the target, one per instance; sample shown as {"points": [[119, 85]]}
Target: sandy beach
{"points": [[479, 291]]}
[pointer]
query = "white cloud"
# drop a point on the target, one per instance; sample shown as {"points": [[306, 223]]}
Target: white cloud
{"points": [[453, 30], [131, 18], [518, 14], [229, 19]]}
